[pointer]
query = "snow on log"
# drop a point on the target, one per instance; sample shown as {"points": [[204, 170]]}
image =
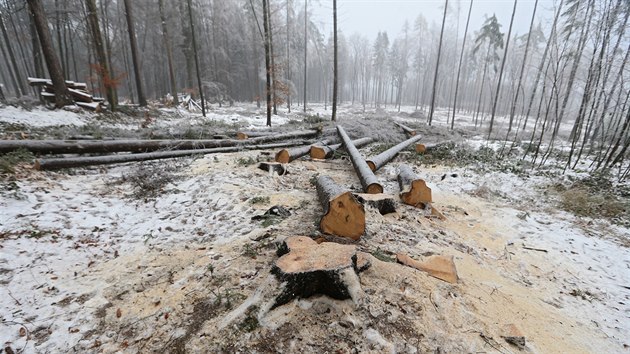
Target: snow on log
{"points": [[252, 134], [80, 96], [366, 176], [288, 155], [99, 146], [92, 106], [380, 160], [441, 267], [323, 152], [307, 268], [407, 130], [67, 162], [343, 214], [413, 190]]}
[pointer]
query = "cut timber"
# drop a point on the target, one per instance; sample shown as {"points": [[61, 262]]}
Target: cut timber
{"points": [[80, 96], [80, 147], [307, 268], [384, 203], [380, 160], [92, 106], [247, 135], [407, 130], [441, 267], [366, 176], [343, 214], [427, 148], [288, 155], [323, 152], [413, 190], [67, 162]]}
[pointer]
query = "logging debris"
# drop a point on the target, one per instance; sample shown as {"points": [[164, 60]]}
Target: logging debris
{"points": [[440, 267]]}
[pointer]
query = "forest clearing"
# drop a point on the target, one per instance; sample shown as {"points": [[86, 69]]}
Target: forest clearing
{"points": [[303, 176], [167, 255]]}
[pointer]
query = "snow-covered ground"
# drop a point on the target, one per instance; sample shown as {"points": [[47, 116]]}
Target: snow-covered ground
{"points": [[86, 266]]}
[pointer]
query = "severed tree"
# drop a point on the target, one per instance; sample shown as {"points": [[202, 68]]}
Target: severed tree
{"points": [[62, 96]]}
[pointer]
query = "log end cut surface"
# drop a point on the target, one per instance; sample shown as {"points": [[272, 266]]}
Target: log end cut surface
{"points": [[345, 217], [418, 195], [318, 152], [371, 165], [374, 188], [421, 148], [283, 156]]}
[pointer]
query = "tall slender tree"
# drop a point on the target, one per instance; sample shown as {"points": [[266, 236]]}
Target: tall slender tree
{"points": [[437, 66], [335, 67], [305, 48], [267, 60], [103, 64], [459, 66], [62, 96], [169, 52], [142, 100], [505, 54], [196, 55]]}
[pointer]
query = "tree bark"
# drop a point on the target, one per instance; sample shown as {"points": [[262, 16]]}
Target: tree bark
{"points": [[62, 96], [366, 176], [343, 214], [267, 61], [335, 68], [380, 160], [323, 152]]}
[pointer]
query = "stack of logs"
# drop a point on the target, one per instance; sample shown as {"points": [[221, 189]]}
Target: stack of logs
{"points": [[78, 92], [343, 212]]}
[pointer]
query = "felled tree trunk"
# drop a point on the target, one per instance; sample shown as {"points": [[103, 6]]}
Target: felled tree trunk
{"points": [[307, 268], [366, 176], [67, 162], [246, 135], [323, 152], [427, 148], [79, 147], [413, 190], [407, 130], [380, 160], [343, 214], [288, 155]]}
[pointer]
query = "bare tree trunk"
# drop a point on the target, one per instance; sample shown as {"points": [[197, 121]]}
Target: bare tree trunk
{"points": [[335, 69], [194, 45], [134, 53], [16, 68], [267, 61], [288, 73], [103, 65], [459, 67], [505, 53], [273, 60], [62, 96], [169, 52], [305, 46], [437, 66]]}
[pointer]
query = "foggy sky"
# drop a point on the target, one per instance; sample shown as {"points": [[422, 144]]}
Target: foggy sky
{"points": [[368, 17]]}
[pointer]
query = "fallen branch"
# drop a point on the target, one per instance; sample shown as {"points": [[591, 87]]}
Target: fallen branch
{"points": [[535, 249], [380, 160], [323, 152], [343, 214], [366, 176]]}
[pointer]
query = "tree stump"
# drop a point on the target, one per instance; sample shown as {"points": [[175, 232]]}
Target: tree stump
{"points": [[307, 268], [343, 214], [413, 190]]}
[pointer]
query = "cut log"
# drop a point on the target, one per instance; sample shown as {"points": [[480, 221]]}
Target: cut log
{"points": [[440, 267], [380, 160], [366, 176], [67, 162], [80, 96], [273, 167], [323, 152], [407, 130], [384, 203], [275, 145], [307, 268], [427, 148], [252, 134], [34, 81], [413, 190], [343, 215], [92, 106], [288, 155], [79, 147]]}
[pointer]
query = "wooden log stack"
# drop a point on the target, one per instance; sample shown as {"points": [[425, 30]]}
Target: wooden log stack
{"points": [[78, 92]]}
